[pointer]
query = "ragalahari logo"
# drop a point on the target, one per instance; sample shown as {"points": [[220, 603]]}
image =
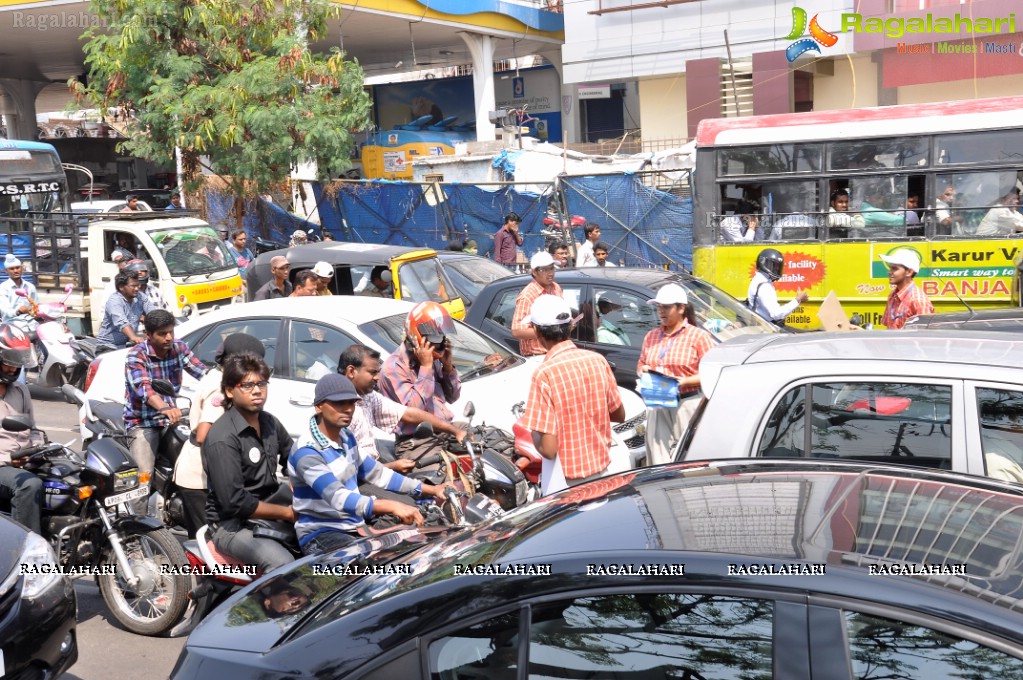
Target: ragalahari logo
{"points": [[818, 36]]}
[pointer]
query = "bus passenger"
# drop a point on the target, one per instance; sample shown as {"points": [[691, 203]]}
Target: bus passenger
{"points": [[875, 216], [1004, 218], [741, 227], [839, 217], [943, 214], [906, 301]]}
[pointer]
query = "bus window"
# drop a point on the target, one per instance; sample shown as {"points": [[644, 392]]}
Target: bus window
{"points": [[973, 195], [878, 200], [776, 158], [978, 147], [790, 210], [878, 153]]}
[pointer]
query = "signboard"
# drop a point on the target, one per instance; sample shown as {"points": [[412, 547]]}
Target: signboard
{"points": [[594, 92], [394, 161], [21, 188]]}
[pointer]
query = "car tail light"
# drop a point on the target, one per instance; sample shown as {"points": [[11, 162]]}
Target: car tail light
{"points": [[91, 373]]}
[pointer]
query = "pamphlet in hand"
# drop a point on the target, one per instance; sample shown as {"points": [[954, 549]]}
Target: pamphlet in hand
{"points": [[658, 389]]}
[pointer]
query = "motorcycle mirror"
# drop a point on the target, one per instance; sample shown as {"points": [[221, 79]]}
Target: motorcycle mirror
{"points": [[163, 387], [68, 288], [470, 410], [72, 394], [423, 431], [21, 293], [16, 423]]}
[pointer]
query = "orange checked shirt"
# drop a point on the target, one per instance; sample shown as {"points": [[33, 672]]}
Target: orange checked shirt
{"points": [[523, 304], [904, 306], [572, 395], [677, 354]]}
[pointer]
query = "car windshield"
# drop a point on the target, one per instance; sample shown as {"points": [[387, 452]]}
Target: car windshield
{"points": [[192, 250], [425, 281], [720, 313], [472, 353], [471, 274]]}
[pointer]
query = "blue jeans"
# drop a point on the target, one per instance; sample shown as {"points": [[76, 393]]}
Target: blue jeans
{"points": [[327, 541], [25, 492]]}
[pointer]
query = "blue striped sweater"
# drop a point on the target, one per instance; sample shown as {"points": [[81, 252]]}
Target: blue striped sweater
{"points": [[325, 478]]}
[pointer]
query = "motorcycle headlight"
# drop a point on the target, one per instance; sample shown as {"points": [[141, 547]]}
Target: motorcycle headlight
{"points": [[39, 566]]}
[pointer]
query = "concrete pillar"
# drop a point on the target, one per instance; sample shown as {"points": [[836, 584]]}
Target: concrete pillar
{"points": [[569, 99], [481, 47], [21, 123]]}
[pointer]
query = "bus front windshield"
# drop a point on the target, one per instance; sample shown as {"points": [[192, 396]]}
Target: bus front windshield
{"points": [[31, 181], [22, 205], [193, 250]]}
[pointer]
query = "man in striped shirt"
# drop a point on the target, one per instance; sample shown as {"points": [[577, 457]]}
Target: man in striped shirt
{"points": [[906, 299], [325, 470], [573, 398], [541, 266]]}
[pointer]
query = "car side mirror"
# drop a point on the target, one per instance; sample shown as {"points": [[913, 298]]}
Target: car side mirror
{"points": [[163, 387], [16, 423]]}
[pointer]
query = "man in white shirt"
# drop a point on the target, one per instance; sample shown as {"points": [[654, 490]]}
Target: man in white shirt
{"points": [[600, 251], [14, 307], [1004, 218], [741, 227], [762, 298], [584, 255]]}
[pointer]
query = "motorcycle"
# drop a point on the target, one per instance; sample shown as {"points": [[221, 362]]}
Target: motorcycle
{"points": [[262, 245], [86, 518], [557, 229], [57, 362], [481, 469], [105, 420], [526, 457]]}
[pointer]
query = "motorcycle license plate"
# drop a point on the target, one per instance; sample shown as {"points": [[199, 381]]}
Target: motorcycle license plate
{"points": [[141, 492]]}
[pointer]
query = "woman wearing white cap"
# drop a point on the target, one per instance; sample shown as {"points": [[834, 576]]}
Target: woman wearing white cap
{"points": [[674, 350], [906, 299]]}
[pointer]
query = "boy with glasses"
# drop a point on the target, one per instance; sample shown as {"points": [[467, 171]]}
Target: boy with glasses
{"points": [[242, 451]]}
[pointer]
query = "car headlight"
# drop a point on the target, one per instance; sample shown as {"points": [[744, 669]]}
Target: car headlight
{"points": [[39, 566]]}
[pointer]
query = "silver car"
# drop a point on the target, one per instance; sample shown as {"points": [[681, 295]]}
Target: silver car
{"points": [[942, 399]]}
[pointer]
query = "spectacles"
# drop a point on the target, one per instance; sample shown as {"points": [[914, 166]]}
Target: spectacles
{"points": [[250, 386], [545, 270]]}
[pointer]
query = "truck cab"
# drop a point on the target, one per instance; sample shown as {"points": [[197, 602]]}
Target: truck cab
{"points": [[188, 261]]}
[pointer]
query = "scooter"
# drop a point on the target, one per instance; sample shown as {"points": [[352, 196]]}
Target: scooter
{"points": [[58, 365], [527, 458]]}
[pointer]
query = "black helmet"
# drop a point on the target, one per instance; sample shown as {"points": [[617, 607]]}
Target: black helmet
{"points": [[770, 263], [139, 266], [15, 350]]}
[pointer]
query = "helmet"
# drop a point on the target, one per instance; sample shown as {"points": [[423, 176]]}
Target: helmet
{"points": [[139, 266], [430, 321], [770, 263], [15, 350]]}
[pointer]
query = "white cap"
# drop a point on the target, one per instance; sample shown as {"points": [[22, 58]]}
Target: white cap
{"points": [[541, 259], [117, 256], [903, 257], [11, 261], [323, 270], [671, 294], [550, 310]]}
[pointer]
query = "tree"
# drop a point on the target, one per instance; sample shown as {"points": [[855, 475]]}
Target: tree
{"points": [[233, 81]]}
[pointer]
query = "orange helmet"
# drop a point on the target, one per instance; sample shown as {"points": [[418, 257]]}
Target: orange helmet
{"points": [[430, 321]]}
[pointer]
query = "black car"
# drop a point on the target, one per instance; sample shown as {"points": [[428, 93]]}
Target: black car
{"points": [[615, 312], [782, 569], [470, 273], [37, 607], [1005, 319]]}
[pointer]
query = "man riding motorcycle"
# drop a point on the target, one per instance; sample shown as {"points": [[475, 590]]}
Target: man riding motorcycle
{"points": [[419, 373], [21, 488]]}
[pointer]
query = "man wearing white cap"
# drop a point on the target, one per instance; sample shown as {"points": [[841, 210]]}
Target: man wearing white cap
{"points": [[541, 266], [324, 273], [674, 349], [14, 307], [573, 397], [906, 299]]}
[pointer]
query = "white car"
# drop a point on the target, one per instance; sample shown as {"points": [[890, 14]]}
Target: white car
{"points": [[105, 206], [931, 398], [304, 338]]}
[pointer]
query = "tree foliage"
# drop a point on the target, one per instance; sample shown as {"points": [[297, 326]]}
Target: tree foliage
{"points": [[231, 81]]}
